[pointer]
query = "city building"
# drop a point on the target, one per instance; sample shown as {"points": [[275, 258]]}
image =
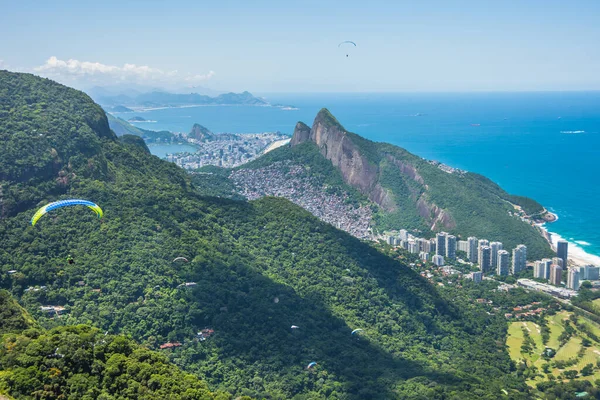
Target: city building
{"points": [[559, 261], [440, 244], [495, 246], [589, 273], [593, 273], [547, 263], [543, 287], [555, 274], [477, 276], [424, 256], [539, 270], [438, 260], [450, 247], [403, 234], [562, 250], [463, 245], [519, 259], [485, 259], [433, 245], [413, 246], [473, 249], [573, 278], [502, 267], [424, 245]]}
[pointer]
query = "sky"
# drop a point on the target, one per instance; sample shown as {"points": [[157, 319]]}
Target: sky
{"points": [[290, 46]]}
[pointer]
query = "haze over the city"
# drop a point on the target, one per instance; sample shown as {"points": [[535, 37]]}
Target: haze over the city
{"points": [[272, 46]]}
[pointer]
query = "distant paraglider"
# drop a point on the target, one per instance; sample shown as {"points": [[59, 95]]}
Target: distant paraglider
{"points": [[311, 365], [180, 259], [65, 203], [294, 327], [356, 331], [345, 45]]}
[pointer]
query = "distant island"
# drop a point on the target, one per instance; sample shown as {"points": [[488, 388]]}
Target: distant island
{"points": [[136, 119], [121, 109]]}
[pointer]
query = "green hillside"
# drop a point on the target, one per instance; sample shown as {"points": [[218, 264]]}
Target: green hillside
{"points": [[259, 268], [418, 194], [121, 127]]}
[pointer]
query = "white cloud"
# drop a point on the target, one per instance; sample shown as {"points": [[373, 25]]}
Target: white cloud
{"points": [[97, 73]]}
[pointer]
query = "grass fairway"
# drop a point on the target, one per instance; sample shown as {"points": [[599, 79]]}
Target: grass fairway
{"points": [[569, 351]]}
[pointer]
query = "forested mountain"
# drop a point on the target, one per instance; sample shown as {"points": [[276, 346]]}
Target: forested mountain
{"points": [[121, 127], [410, 192], [255, 269]]}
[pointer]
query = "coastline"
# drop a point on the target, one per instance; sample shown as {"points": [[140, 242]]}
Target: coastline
{"points": [[577, 254]]}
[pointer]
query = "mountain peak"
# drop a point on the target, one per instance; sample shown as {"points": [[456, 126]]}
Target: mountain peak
{"points": [[325, 117], [201, 133]]}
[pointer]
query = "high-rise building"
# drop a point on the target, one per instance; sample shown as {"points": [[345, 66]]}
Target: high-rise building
{"points": [[539, 270], [573, 278], [555, 274], [463, 245], [413, 246], [547, 263], [472, 250], [593, 273], [450, 247], [477, 276], [440, 244], [438, 260], [559, 261], [433, 245], [495, 246], [562, 250], [485, 259], [503, 264], [519, 259], [424, 256], [391, 240], [482, 242], [403, 234]]}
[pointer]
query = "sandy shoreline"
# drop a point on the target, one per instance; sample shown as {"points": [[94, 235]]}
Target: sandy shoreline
{"points": [[577, 255]]}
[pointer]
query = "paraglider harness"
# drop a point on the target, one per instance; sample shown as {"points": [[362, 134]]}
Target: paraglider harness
{"points": [[70, 259]]}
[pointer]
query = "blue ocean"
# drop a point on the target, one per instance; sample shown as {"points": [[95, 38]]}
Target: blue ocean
{"points": [[543, 145]]}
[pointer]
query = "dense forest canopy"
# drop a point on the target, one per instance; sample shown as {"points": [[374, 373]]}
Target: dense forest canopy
{"points": [[254, 270]]}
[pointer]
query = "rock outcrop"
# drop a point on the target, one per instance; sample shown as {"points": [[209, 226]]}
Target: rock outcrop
{"points": [[358, 161], [336, 145]]}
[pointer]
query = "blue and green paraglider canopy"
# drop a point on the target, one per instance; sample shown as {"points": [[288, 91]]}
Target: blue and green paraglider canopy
{"points": [[65, 203]]}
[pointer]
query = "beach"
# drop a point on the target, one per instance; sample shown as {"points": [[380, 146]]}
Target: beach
{"points": [[577, 253]]}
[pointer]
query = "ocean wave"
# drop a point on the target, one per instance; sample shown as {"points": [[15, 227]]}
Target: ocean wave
{"points": [[576, 252]]}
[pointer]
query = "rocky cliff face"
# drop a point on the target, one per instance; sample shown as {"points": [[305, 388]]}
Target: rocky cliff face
{"points": [[349, 154], [336, 145]]}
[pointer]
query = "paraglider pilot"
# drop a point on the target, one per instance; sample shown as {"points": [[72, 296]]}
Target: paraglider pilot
{"points": [[70, 259]]}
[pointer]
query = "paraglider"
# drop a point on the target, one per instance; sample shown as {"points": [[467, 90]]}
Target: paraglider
{"points": [[356, 331], [70, 259], [295, 327], [345, 44], [312, 364], [180, 259], [65, 203]]}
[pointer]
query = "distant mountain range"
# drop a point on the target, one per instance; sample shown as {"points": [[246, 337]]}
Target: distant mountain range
{"points": [[123, 102]]}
